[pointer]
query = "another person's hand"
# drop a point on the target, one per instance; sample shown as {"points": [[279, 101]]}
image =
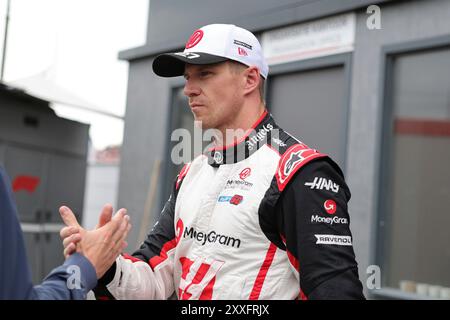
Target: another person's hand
{"points": [[101, 246], [71, 234]]}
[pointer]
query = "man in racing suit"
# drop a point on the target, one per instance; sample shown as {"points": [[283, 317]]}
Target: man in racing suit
{"points": [[263, 218]]}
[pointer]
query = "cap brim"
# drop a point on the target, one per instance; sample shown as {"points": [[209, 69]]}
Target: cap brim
{"points": [[172, 64]]}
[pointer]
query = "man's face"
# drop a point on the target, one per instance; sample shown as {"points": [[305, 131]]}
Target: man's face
{"points": [[215, 93]]}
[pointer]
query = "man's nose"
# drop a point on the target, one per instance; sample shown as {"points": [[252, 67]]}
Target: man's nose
{"points": [[190, 89]]}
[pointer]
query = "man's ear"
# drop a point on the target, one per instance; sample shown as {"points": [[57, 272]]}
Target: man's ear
{"points": [[252, 80]]}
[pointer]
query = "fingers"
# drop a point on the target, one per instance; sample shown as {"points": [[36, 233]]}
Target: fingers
{"points": [[116, 221], [105, 215], [121, 243], [121, 230], [74, 239], [72, 234], [70, 249], [68, 231], [68, 216]]}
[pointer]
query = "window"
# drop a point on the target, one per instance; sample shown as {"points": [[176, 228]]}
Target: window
{"points": [[416, 238]]}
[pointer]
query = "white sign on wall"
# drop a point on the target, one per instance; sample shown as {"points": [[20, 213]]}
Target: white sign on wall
{"points": [[310, 39]]}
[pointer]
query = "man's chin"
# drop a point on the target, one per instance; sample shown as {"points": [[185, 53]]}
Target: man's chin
{"points": [[202, 124]]}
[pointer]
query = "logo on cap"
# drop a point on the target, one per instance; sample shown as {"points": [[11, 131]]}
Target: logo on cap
{"points": [[194, 39], [242, 52]]}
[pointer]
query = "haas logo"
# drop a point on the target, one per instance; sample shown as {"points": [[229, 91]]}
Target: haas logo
{"points": [[245, 173], [198, 278], [194, 39]]}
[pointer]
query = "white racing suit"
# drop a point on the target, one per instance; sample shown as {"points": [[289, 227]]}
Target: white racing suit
{"points": [[265, 218]]}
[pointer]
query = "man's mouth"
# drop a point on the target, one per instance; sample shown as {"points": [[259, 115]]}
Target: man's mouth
{"points": [[195, 106]]}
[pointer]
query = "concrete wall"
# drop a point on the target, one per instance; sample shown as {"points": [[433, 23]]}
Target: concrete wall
{"points": [[144, 141], [401, 22], [101, 187]]}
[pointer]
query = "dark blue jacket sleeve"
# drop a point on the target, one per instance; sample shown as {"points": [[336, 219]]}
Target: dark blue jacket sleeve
{"points": [[72, 280]]}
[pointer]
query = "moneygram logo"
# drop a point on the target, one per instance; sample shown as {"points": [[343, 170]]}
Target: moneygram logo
{"points": [[330, 206], [233, 184], [328, 220], [211, 237]]}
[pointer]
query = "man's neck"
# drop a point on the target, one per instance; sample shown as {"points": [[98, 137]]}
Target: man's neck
{"points": [[235, 131]]}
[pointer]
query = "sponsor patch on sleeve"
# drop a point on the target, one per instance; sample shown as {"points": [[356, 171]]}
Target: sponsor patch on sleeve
{"points": [[333, 239], [320, 183]]}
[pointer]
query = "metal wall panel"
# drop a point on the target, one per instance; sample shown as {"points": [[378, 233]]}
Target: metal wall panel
{"points": [[24, 124], [27, 171], [45, 157], [309, 105]]}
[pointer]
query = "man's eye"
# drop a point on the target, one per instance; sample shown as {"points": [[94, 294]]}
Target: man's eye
{"points": [[205, 73]]}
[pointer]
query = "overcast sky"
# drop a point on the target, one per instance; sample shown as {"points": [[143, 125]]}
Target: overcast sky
{"points": [[77, 43]]}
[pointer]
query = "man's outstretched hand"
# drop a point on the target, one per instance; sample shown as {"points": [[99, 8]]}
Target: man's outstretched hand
{"points": [[71, 233], [101, 246]]}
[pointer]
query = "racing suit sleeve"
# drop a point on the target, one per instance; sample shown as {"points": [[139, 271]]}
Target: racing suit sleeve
{"points": [[15, 275], [148, 272], [315, 226]]}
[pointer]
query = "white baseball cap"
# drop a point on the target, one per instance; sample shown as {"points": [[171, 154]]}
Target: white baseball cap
{"points": [[212, 44]]}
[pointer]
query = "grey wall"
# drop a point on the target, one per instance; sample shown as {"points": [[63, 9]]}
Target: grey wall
{"points": [[34, 141], [401, 22], [101, 187], [144, 140]]}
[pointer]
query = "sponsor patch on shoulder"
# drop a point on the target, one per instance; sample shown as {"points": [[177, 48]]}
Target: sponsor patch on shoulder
{"points": [[292, 160]]}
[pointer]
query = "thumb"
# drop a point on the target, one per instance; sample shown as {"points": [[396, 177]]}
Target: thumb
{"points": [[68, 217], [105, 215]]}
